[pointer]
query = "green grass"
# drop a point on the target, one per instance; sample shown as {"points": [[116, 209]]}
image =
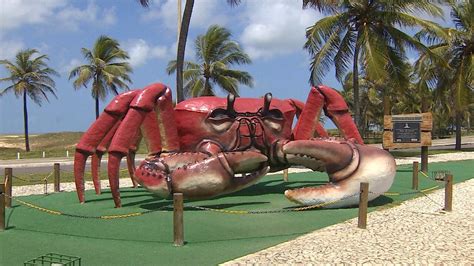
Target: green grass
{"points": [[211, 237], [53, 144]]}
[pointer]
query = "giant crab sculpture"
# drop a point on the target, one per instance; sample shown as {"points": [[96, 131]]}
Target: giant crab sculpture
{"points": [[209, 146]]}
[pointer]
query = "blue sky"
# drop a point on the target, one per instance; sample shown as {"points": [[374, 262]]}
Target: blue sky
{"points": [[272, 32]]}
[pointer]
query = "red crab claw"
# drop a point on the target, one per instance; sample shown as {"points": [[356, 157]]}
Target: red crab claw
{"points": [[347, 165], [204, 175]]}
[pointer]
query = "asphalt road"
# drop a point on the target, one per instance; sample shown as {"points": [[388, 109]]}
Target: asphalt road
{"points": [[45, 165]]}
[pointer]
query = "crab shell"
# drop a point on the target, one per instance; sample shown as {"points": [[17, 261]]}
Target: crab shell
{"points": [[220, 158], [195, 124]]}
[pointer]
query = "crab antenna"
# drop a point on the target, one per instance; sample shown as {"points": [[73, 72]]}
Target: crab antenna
{"points": [[230, 103], [267, 101]]}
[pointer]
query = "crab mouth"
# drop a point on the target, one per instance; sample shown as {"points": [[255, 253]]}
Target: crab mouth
{"points": [[250, 177]]}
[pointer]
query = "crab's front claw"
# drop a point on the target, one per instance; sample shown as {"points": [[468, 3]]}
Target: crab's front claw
{"points": [[347, 165], [205, 176]]}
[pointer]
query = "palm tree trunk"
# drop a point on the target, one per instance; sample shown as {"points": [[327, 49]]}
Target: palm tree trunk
{"points": [[25, 120], [458, 130], [425, 107], [183, 35], [96, 107], [355, 82], [207, 88]]}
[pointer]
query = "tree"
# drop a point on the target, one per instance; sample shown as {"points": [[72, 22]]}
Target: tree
{"points": [[105, 69], [31, 76], [456, 45], [183, 35], [215, 53], [367, 35]]}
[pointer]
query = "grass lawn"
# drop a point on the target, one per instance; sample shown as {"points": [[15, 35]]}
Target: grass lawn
{"points": [[211, 237]]}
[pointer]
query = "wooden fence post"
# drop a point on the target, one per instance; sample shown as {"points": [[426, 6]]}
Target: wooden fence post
{"points": [[448, 193], [285, 175], [57, 177], [178, 226], [2, 207], [414, 181], [363, 202], [8, 187]]}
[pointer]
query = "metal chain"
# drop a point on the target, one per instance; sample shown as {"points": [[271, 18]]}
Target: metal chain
{"points": [[102, 217]]}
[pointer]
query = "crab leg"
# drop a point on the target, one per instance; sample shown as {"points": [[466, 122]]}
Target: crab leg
{"points": [[322, 97], [97, 156], [308, 119], [347, 165], [95, 134], [156, 95]]}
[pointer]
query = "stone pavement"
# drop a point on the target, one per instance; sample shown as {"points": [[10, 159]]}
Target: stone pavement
{"points": [[416, 232]]}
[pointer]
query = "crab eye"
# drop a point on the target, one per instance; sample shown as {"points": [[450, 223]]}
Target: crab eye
{"points": [[220, 114], [275, 114]]}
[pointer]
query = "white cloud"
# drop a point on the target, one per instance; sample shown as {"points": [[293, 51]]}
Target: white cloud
{"points": [[205, 13], [8, 48], [140, 51], [275, 27], [71, 17], [66, 68], [17, 13]]}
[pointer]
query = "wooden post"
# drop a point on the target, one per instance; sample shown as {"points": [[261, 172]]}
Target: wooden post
{"points": [[57, 177], [2, 207], [178, 226], [414, 181], [448, 193], [285, 175], [424, 159], [8, 187], [363, 202]]}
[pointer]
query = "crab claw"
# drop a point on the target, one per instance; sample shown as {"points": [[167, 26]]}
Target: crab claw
{"points": [[204, 176], [347, 165]]}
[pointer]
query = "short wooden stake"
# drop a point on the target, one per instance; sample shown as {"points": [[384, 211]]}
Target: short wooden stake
{"points": [[8, 187], [178, 225], [285, 175], [57, 177], [448, 193], [424, 159], [2, 207], [363, 204], [414, 181]]}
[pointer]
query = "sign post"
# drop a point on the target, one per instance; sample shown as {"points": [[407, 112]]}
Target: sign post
{"points": [[409, 131]]}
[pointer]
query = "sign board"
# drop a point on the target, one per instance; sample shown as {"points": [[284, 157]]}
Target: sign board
{"points": [[407, 131]]}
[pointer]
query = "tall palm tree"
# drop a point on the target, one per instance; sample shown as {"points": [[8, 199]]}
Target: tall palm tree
{"points": [[104, 68], [365, 34], [215, 53], [31, 76], [183, 36], [457, 75]]}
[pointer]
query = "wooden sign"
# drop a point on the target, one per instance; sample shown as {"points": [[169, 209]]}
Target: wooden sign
{"points": [[407, 131]]}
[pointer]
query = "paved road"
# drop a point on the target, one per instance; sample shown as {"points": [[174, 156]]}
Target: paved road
{"points": [[45, 165]]}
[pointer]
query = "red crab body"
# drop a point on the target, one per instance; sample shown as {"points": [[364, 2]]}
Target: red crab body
{"points": [[210, 146]]}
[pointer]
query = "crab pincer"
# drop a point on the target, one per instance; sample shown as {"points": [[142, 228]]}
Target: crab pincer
{"points": [[347, 165], [203, 176]]}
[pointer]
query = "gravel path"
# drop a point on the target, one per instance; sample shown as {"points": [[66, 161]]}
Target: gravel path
{"points": [[416, 232]]}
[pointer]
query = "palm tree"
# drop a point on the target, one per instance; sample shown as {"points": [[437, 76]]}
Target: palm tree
{"points": [[31, 77], [215, 53], [457, 75], [105, 69], [365, 34], [183, 35]]}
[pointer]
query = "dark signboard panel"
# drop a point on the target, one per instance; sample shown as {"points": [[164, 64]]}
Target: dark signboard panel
{"points": [[406, 132]]}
